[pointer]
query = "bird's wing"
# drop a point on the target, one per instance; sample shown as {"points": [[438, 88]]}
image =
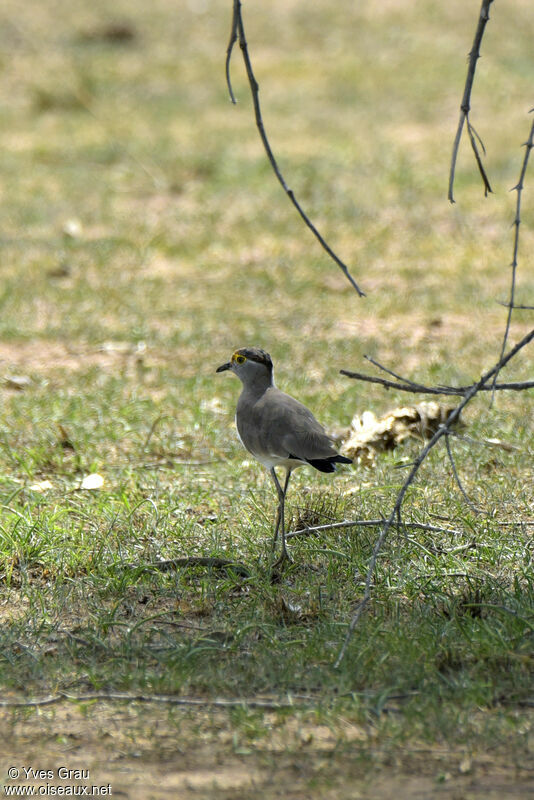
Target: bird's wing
{"points": [[291, 429]]}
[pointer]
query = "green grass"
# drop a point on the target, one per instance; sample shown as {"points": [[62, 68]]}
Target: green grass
{"points": [[186, 249]]}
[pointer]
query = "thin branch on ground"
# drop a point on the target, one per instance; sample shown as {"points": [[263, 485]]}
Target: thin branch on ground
{"points": [[465, 107], [466, 497], [518, 188], [266, 703], [243, 702], [512, 524], [368, 523], [464, 437], [193, 561], [238, 33], [443, 430]]}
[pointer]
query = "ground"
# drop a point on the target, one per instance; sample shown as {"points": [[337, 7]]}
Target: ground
{"points": [[148, 753]]}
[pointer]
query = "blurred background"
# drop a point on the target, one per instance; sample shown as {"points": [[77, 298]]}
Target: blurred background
{"points": [[138, 204], [144, 235]]}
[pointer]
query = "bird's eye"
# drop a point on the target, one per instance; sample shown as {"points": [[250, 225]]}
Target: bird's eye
{"points": [[240, 359]]}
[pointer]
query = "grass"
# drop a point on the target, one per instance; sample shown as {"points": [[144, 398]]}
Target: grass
{"points": [[145, 238]]}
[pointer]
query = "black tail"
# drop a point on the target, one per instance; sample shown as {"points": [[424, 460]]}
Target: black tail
{"points": [[328, 464]]}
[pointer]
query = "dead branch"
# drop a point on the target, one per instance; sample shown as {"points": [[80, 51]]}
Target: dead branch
{"points": [[238, 33], [229, 50], [244, 702], [368, 523], [518, 188], [516, 306], [383, 368], [525, 522], [193, 561], [418, 388], [443, 430], [465, 107]]}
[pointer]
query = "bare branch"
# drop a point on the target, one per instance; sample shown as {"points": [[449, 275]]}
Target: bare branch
{"points": [[229, 49], [473, 138], [384, 369], [454, 391], [368, 523], [443, 430], [529, 144], [465, 107], [245, 702], [211, 562], [525, 522], [516, 306], [409, 386], [239, 30]]}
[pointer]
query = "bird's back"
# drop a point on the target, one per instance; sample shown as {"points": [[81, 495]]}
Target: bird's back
{"points": [[275, 425]]}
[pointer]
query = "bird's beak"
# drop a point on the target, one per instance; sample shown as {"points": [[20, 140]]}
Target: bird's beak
{"points": [[224, 367]]}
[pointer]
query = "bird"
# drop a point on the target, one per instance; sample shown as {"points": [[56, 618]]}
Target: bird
{"points": [[277, 429]]}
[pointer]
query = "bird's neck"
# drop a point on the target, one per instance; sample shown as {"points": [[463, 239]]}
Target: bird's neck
{"points": [[259, 385]]}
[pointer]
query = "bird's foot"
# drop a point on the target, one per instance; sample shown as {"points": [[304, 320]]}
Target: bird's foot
{"points": [[283, 559]]}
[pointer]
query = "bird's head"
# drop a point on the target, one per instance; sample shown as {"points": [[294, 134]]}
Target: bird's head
{"points": [[249, 364]]}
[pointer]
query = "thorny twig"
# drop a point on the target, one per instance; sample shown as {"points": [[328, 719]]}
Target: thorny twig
{"points": [[465, 107], [238, 33], [443, 430], [529, 144]]}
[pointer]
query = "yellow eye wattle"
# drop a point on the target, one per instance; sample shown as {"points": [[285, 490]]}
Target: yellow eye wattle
{"points": [[239, 359]]}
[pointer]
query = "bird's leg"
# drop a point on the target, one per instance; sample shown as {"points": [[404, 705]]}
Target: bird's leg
{"points": [[280, 494], [285, 555], [280, 520]]}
